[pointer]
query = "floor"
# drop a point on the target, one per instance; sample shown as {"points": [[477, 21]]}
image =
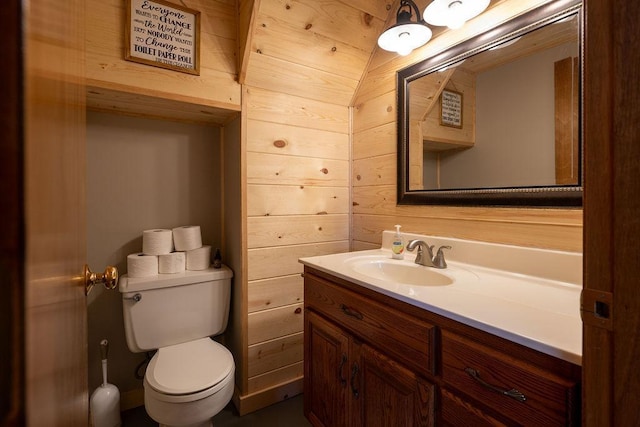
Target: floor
{"points": [[287, 413]]}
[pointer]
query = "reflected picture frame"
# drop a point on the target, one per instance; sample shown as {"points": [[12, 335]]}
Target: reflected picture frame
{"points": [[451, 109]]}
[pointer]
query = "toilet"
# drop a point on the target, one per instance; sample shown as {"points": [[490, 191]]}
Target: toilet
{"points": [[191, 376]]}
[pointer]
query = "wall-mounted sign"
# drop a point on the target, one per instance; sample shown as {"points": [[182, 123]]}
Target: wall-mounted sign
{"points": [[451, 108], [163, 34]]}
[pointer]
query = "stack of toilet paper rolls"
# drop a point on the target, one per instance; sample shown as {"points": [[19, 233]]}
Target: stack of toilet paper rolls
{"points": [[169, 251]]}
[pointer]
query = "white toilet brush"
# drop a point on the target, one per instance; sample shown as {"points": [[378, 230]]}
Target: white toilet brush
{"points": [[105, 400]]}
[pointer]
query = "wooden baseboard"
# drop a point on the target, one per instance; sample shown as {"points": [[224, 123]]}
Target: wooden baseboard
{"points": [[131, 399], [263, 398]]}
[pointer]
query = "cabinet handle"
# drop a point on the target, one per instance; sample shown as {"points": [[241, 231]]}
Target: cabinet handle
{"points": [[513, 393], [354, 374], [351, 312], [343, 381]]}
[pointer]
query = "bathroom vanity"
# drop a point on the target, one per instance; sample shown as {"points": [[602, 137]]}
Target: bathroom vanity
{"points": [[383, 352]]}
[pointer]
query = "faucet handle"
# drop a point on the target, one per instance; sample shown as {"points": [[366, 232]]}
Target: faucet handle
{"points": [[439, 260]]}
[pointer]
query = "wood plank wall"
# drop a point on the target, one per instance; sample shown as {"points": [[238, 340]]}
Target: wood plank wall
{"points": [[297, 205], [374, 165], [116, 84], [305, 59]]}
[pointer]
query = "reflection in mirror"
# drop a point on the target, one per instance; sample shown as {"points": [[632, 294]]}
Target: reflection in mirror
{"points": [[499, 124]]}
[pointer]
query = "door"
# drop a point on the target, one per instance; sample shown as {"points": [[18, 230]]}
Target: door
{"points": [[55, 329], [11, 214], [326, 375], [385, 394], [611, 302]]}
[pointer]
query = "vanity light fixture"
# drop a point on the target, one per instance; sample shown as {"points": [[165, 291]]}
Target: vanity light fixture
{"points": [[453, 13], [408, 33]]}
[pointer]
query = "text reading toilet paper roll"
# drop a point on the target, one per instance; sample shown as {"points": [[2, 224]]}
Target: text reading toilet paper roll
{"points": [[199, 259], [171, 263], [141, 265], [187, 237], [157, 242]]}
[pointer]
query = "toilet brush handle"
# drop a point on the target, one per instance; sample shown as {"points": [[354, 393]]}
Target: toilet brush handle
{"points": [[104, 372], [104, 351]]}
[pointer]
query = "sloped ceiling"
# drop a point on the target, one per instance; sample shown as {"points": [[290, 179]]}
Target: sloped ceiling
{"points": [[319, 49]]}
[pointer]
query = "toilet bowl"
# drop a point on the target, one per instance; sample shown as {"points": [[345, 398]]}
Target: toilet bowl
{"points": [[191, 376], [187, 384]]}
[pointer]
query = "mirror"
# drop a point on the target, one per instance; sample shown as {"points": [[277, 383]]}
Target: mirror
{"points": [[496, 120]]}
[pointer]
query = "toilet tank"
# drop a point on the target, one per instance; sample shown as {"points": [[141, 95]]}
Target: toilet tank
{"points": [[169, 309]]}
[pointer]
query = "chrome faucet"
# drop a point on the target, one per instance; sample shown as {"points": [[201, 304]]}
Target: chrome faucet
{"points": [[424, 255]]}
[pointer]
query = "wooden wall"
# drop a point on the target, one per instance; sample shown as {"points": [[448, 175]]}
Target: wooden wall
{"points": [[374, 165], [116, 85], [302, 63], [297, 205]]}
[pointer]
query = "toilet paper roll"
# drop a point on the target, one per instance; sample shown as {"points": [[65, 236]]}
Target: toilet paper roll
{"points": [[171, 263], [187, 237], [157, 242], [199, 259], [141, 265]]}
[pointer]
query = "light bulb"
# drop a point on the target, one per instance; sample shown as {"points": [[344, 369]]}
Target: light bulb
{"points": [[453, 13], [456, 16], [404, 46], [404, 50]]}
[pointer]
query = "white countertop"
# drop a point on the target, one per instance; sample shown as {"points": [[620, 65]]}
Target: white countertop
{"points": [[536, 312]]}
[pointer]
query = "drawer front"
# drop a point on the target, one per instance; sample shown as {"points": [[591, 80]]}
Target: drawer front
{"points": [[457, 412], [404, 337], [523, 392]]}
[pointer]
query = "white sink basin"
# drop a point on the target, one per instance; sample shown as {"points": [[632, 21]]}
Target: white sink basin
{"points": [[400, 272], [530, 296]]}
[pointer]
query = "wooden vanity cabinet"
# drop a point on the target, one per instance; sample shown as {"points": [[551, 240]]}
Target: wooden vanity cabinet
{"points": [[348, 382], [371, 360]]}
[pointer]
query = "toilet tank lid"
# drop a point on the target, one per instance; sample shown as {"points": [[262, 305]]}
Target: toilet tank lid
{"points": [[165, 280]]}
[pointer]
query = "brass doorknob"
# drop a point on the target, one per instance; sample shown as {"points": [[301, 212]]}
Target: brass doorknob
{"points": [[109, 278]]}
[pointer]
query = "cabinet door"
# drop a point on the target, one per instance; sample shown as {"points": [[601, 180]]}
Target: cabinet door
{"points": [[384, 393], [325, 372]]}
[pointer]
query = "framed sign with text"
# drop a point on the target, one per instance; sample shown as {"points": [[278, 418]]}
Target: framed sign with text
{"points": [[163, 34], [451, 108]]}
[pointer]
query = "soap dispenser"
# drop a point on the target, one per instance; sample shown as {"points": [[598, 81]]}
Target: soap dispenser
{"points": [[397, 246]]}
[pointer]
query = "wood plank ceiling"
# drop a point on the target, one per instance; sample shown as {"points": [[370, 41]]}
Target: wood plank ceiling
{"points": [[319, 48]]}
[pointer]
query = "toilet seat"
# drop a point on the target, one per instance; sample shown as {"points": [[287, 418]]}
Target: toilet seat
{"points": [[189, 371]]}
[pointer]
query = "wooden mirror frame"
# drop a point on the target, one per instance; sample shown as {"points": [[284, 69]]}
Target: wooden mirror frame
{"points": [[535, 196]]}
